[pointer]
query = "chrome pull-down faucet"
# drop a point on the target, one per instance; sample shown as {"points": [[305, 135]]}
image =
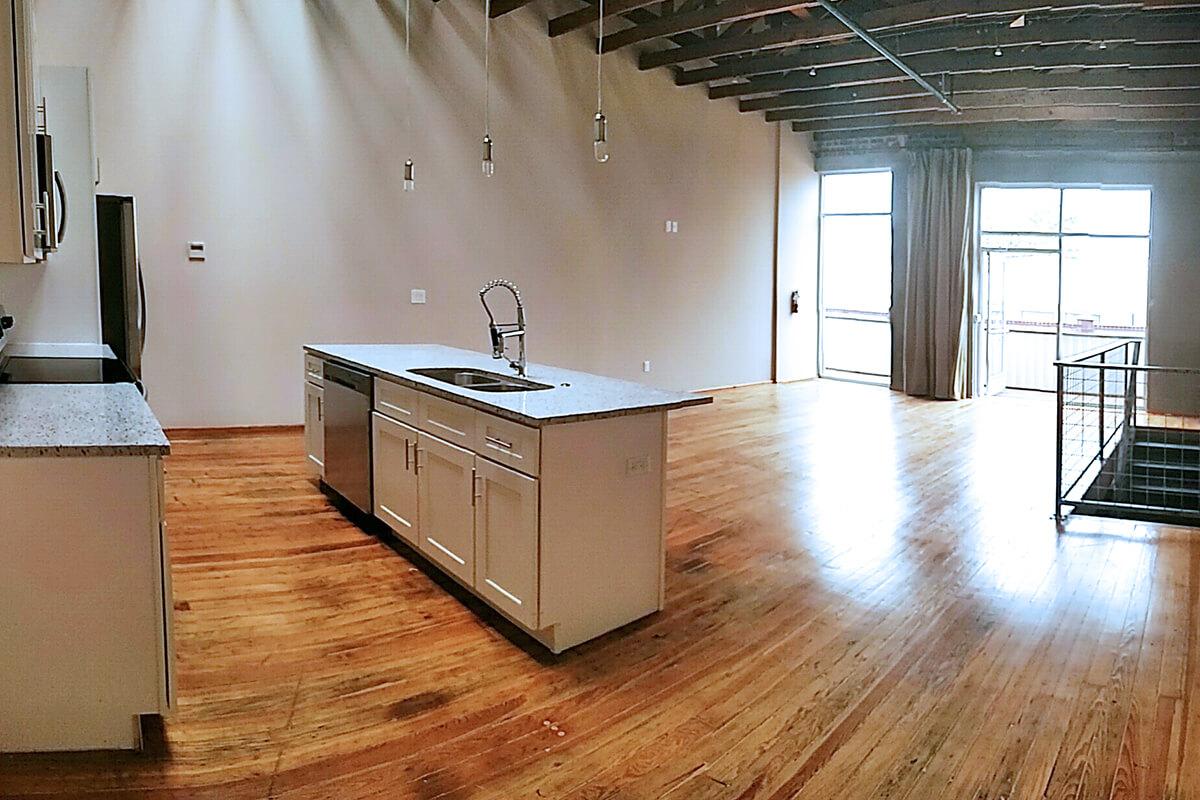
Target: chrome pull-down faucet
{"points": [[501, 332]]}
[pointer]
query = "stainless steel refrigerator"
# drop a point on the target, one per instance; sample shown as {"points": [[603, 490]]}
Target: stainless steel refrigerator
{"points": [[122, 289]]}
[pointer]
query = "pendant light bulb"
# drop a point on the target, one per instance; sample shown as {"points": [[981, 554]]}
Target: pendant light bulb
{"points": [[600, 145], [997, 52], [410, 185], [489, 166], [812, 71]]}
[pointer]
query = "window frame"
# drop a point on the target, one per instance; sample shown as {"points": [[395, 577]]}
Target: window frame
{"points": [[822, 369]]}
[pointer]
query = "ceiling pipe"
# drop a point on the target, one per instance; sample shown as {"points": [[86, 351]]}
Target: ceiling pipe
{"points": [[862, 33]]}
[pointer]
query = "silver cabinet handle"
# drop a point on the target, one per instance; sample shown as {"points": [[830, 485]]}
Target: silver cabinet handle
{"points": [[320, 409], [492, 440], [476, 486], [406, 460], [417, 459], [62, 193]]}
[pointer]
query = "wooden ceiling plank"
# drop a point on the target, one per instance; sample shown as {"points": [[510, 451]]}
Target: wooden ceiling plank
{"points": [[1019, 113], [879, 20], [1050, 57], [943, 41], [971, 83], [999, 99]]}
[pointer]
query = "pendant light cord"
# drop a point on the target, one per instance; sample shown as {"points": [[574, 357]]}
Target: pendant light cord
{"points": [[408, 73], [487, 68], [599, 59]]}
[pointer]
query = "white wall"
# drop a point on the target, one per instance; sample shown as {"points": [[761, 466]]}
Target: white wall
{"points": [[799, 220], [276, 132]]}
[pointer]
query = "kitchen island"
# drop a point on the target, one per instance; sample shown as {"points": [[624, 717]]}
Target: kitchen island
{"points": [[548, 504], [85, 597]]}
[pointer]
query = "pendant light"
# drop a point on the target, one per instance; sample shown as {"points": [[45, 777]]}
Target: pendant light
{"points": [[600, 142], [410, 184], [489, 166]]}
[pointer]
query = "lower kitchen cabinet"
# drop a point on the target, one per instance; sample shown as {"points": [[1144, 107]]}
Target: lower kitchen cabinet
{"points": [[86, 644], [445, 505], [506, 540], [393, 457], [314, 428]]}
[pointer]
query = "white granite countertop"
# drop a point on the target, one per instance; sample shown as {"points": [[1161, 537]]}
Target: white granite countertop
{"points": [[58, 350], [68, 419], [576, 395]]}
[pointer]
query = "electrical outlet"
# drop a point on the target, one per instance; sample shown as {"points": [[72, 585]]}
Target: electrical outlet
{"points": [[672, 226], [645, 366], [196, 251], [637, 465], [418, 296]]}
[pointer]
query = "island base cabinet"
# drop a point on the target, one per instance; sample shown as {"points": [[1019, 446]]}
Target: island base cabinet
{"points": [[393, 453], [446, 506], [85, 647], [506, 541], [602, 540]]}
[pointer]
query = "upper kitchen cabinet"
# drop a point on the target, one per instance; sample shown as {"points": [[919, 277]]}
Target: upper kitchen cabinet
{"points": [[30, 212]]}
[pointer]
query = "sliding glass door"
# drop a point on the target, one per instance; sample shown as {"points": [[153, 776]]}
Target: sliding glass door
{"points": [[1062, 270], [856, 275]]}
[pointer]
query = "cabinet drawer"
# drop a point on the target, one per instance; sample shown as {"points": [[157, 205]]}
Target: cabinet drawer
{"points": [[449, 421], [509, 443], [396, 401], [314, 371]]}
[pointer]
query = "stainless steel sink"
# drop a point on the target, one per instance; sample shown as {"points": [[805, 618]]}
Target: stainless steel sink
{"points": [[480, 379]]}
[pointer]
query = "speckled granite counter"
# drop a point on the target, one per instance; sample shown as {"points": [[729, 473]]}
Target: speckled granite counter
{"points": [[77, 420], [576, 396]]}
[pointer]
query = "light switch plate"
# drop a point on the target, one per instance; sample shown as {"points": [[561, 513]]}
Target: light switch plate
{"points": [[418, 296], [196, 251]]}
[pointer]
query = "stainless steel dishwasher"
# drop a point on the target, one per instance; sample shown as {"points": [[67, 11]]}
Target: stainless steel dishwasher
{"points": [[348, 434]]}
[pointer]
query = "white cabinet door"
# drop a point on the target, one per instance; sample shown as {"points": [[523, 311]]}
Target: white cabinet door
{"points": [[447, 524], [506, 541], [393, 451], [314, 427]]}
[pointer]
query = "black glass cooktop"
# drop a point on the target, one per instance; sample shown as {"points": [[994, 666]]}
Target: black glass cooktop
{"points": [[27, 369]]}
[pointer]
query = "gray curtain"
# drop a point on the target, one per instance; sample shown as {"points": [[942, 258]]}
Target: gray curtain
{"points": [[940, 213]]}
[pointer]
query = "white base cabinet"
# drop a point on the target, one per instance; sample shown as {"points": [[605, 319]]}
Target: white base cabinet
{"points": [[86, 647], [314, 427], [506, 541]]}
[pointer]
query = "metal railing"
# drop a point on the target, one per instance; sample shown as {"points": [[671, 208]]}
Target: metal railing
{"points": [[1114, 457]]}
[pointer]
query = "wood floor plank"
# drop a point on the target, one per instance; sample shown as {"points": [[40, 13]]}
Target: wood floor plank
{"points": [[866, 598]]}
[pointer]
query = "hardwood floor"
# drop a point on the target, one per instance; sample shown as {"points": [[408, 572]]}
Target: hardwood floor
{"points": [[866, 598]]}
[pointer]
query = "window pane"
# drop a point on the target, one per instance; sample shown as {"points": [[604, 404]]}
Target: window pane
{"points": [[1019, 209], [1104, 285], [1107, 211], [856, 193], [1018, 241], [856, 263], [1030, 283], [858, 346]]}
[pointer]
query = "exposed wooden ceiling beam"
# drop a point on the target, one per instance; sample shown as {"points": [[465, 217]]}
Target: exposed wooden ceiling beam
{"points": [[1115, 78], [1127, 98], [878, 21], [729, 11], [585, 16], [1110, 136], [943, 40], [1048, 57], [1018, 113], [502, 7]]}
